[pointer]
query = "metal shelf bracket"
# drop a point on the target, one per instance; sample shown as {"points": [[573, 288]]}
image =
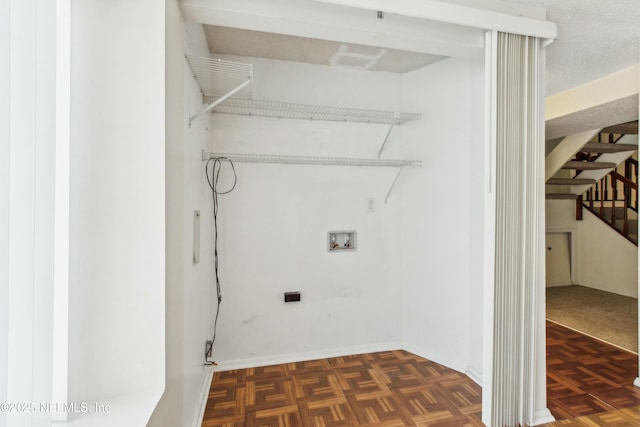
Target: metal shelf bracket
{"points": [[216, 77], [393, 184], [218, 101], [386, 138]]}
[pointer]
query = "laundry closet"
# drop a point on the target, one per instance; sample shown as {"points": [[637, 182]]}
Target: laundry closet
{"points": [[327, 137]]}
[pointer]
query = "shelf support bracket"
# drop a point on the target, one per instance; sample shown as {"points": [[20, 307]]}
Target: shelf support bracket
{"points": [[218, 101], [386, 138], [393, 184]]}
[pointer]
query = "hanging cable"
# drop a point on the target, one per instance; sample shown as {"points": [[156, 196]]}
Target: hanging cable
{"points": [[213, 180]]}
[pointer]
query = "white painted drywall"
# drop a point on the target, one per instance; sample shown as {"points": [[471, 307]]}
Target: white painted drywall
{"points": [[438, 206], [169, 410], [561, 215], [198, 283], [273, 226], [27, 40], [476, 219], [189, 285], [5, 108], [604, 259], [117, 201]]}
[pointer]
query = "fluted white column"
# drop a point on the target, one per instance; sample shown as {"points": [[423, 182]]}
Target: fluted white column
{"points": [[518, 180]]}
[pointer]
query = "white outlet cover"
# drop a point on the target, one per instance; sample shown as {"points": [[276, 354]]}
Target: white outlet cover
{"points": [[371, 205]]}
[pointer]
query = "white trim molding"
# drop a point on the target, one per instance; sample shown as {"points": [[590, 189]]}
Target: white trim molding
{"points": [[542, 417], [204, 395], [458, 14], [278, 359]]}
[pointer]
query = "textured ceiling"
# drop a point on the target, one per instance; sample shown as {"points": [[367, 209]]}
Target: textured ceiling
{"points": [[595, 38], [256, 44], [612, 113]]}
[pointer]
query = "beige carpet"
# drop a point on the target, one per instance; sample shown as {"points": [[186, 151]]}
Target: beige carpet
{"points": [[609, 317]]}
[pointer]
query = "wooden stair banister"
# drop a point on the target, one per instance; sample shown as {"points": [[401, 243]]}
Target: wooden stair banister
{"points": [[615, 196], [603, 200]]}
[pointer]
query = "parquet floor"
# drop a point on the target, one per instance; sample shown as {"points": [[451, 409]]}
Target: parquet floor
{"points": [[586, 376], [393, 388], [620, 417]]}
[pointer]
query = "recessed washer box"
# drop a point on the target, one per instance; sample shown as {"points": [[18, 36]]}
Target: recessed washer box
{"points": [[342, 241]]}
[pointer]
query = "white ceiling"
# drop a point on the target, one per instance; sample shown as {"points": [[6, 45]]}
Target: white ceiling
{"points": [[595, 38], [259, 44]]}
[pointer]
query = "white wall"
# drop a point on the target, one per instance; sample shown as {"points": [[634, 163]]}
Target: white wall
{"points": [[476, 220], [188, 287], [170, 410], [198, 283], [27, 129], [273, 226], [441, 208], [117, 201], [604, 259], [5, 107]]}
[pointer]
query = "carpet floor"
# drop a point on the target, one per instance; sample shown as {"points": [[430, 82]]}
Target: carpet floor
{"points": [[609, 317]]}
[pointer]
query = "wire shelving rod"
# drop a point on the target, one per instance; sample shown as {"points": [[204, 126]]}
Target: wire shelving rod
{"points": [[311, 160]]}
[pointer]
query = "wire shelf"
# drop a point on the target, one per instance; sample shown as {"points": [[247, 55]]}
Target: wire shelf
{"points": [[288, 110], [217, 77], [308, 160]]}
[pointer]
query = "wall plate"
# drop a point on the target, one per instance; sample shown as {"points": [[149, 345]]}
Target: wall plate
{"points": [[342, 241]]}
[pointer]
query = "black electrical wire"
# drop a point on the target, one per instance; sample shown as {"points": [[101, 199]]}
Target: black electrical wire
{"points": [[213, 180]]}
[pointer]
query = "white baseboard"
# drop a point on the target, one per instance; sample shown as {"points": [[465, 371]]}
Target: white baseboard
{"points": [[278, 359], [628, 291], [204, 393], [543, 416], [474, 374], [557, 285], [434, 358]]}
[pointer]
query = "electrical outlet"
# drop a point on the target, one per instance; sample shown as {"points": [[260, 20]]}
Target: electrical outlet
{"points": [[371, 205], [291, 296], [208, 349]]}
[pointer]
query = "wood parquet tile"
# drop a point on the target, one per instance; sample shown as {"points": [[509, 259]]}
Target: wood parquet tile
{"points": [[586, 376], [589, 383], [393, 388]]}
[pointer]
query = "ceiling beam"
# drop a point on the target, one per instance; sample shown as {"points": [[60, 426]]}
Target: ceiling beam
{"points": [[459, 14], [313, 19]]}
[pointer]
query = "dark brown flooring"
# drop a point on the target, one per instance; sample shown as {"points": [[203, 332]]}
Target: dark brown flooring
{"points": [[585, 378], [393, 388], [620, 417]]}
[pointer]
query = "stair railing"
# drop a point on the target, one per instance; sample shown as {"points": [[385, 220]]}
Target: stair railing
{"points": [[631, 173], [613, 191]]}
